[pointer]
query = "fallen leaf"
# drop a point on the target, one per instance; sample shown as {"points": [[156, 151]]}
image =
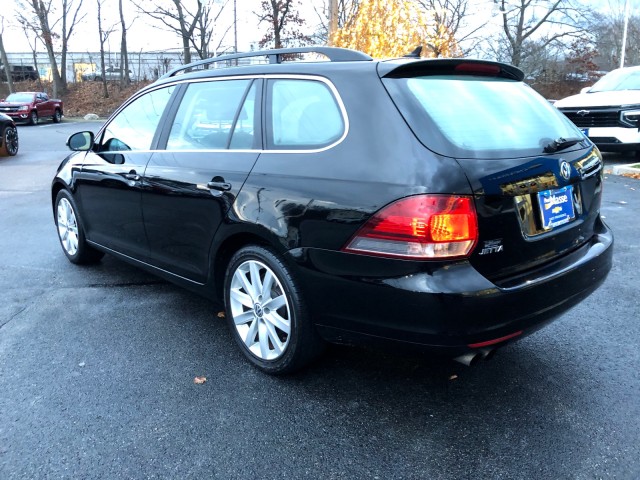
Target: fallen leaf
{"points": [[199, 380], [221, 315]]}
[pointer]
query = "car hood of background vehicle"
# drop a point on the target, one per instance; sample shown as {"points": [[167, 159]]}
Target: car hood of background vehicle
{"points": [[601, 99], [12, 104]]}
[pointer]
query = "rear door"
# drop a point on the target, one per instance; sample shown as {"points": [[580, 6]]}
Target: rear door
{"points": [[211, 146], [536, 179]]}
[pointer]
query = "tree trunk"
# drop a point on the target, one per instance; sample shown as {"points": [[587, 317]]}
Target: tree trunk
{"points": [[105, 90], [5, 62], [124, 54], [47, 38], [63, 53]]}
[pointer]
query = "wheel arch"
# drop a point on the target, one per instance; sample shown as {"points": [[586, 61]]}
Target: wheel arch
{"points": [[225, 249], [55, 189]]}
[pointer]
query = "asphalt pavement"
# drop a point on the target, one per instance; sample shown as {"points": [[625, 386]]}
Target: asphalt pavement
{"points": [[97, 368]]}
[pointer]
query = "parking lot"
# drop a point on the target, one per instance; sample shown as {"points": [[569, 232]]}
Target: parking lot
{"points": [[97, 368]]}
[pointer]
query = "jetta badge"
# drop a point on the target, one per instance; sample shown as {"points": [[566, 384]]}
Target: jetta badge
{"points": [[565, 169], [582, 113]]}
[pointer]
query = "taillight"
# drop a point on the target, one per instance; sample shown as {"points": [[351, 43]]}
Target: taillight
{"points": [[420, 227]]}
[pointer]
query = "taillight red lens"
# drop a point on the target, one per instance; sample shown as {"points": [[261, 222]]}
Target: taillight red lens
{"points": [[421, 227]]}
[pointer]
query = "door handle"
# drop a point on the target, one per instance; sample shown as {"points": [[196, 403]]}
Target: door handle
{"points": [[132, 176], [221, 186]]}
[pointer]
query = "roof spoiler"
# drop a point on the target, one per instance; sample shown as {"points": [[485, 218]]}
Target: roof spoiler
{"points": [[449, 66]]}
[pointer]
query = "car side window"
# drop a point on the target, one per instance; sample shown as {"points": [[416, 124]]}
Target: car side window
{"points": [[135, 126], [304, 114], [208, 113]]}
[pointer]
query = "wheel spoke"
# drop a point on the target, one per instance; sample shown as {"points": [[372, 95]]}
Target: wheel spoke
{"points": [[256, 283], [278, 322], [241, 275], [250, 338], [275, 303], [278, 346], [263, 337], [242, 298], [244, 318], [267, 284]]}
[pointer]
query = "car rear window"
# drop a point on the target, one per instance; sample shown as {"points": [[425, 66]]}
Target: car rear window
{"points": [[478, 117]]}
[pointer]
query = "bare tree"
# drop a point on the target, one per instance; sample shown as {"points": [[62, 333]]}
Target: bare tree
{"points": [[3, 57], [69, 19], [43, 17], [125, 79], [104, 35], [33, 46], [537, 24], [451, 18], [205, 25], [284, 22], [346, 10], [176, 17], [606, 28], [34, 15]]}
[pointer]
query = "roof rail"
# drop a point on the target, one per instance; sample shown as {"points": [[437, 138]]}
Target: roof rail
{"points": [[334, 54]]}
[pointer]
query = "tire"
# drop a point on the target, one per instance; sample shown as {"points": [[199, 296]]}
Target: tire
{"points": [[10, 143], [71, 231], [33, 118], [57, 116], [270, 323]]}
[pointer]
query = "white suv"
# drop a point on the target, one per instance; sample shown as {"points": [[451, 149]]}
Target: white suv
{"points": [[609, 112]]}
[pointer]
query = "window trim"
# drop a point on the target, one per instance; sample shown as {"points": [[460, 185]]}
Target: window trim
{"points": [[160, 138], [171, 104], [267, 126]]}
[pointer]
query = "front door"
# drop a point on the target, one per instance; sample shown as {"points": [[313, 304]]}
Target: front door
{"points": [[109, 184]]}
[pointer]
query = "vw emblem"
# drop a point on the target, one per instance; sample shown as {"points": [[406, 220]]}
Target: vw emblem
{"points": [[583, 113], [565, 170]]}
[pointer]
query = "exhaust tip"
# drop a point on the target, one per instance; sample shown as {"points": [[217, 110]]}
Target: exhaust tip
{"points": [[472, 358], [468, 359]]}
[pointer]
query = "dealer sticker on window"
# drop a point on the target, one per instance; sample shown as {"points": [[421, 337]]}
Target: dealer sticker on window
{"points": [[556, 207]]}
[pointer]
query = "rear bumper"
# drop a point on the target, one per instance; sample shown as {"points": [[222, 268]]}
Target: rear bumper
{"points": [[449, 310]]}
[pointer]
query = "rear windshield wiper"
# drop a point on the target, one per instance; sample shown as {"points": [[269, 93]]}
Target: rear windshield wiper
{"points": [[561, 143]]}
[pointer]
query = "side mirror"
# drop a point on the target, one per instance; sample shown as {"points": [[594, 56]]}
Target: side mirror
{"points": [[585, 90], [81, 141]]}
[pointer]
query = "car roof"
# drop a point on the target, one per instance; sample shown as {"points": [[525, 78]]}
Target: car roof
{"points": [[340, 59]]}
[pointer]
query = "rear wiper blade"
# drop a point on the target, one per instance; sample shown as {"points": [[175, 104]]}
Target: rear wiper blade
{"points": [[561, 143]]}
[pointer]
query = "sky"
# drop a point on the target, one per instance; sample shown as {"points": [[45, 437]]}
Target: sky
{"points": [[145, 33]]}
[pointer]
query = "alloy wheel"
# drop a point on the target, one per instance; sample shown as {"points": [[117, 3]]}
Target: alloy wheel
{"points": [[260, 310], [67, 226]]}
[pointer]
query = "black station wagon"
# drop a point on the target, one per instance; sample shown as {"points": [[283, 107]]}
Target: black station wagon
{"points": [[432, 203]]}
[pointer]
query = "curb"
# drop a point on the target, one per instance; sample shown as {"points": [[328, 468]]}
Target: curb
{"points": [[623, 169]]}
